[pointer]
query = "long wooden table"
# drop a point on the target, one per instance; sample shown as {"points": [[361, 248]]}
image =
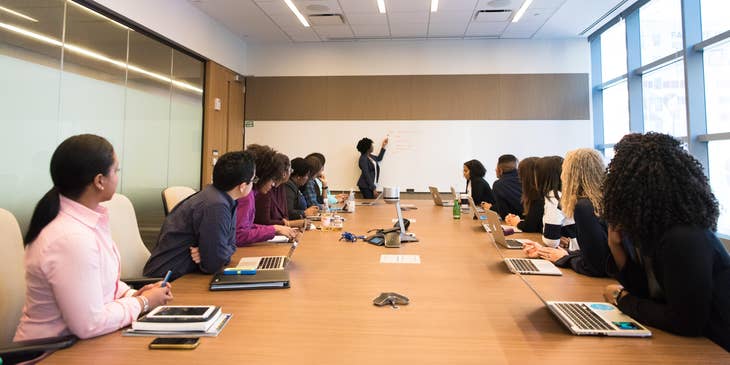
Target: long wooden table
{"points": [[466, 308]]}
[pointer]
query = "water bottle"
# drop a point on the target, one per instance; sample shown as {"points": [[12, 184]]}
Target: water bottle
{"points": [[351, 202], [457, 209]]}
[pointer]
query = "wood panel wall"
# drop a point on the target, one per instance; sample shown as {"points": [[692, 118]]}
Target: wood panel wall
{"points": [[222, 129], [419, 97]]}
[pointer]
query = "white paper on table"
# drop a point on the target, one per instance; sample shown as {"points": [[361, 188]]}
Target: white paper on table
{"points": [[400, 259]]}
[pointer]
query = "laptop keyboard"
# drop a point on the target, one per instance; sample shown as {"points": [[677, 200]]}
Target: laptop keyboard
{"points": [[270, 262], [524, 265], [583, 317]]}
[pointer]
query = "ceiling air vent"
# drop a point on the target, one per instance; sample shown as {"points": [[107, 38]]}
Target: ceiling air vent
{"points": [[500, 15], [326, 19]]}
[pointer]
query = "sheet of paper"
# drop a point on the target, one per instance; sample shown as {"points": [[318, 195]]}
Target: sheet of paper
{"points": [[413, 220], [400, 259]]}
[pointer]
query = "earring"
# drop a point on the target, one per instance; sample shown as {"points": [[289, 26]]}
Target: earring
{"points": [[102, 188]]}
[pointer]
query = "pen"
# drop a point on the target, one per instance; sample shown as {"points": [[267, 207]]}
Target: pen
{"points": [[167, 278]]}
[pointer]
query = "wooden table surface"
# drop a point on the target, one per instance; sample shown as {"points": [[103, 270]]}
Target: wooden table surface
{"points": [[466, 308]]}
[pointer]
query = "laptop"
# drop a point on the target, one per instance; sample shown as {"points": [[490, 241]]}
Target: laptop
{"points": [[490, 222], [271, 279], [372, 202], [595, 318], [267, 263], [404, 237], [473, 209], [437, 198], [531, 266]]}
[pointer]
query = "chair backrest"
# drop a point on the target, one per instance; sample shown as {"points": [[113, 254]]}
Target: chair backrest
{"points": [[125, 232], [174, 195], [12, 271]]}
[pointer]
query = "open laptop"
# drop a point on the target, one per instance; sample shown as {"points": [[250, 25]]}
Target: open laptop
{"points": [[531, 266], [596, 318], [490, 222], [372, 202], [404, 237], [473, 209], [267, 263], [437, 198]]}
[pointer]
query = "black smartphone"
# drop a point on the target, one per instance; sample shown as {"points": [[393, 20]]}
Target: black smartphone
{"points": [[186, 343]]}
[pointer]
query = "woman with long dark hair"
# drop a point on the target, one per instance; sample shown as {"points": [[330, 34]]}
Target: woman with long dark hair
{"points": [[476, 186], [662, 217], [72, 264], [533, 204]]}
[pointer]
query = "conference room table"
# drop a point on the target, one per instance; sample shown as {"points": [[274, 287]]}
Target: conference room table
{"points": [[465, 308]]}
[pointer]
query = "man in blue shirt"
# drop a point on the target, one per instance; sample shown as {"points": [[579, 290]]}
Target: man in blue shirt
{"points": [[206, 220], [507, 189]]}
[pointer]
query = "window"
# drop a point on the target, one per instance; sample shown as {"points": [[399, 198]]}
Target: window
{"points": [[613, 52], [661, 29], [720, 181], [664, 100], [615, 112], [717, 87], [714, 17]]}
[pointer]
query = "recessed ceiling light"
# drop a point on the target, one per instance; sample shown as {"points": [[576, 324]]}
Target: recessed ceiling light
{"points": [[522, 11], [297, 13]]}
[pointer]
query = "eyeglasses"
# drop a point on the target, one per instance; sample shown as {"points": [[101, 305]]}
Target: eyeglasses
{"points": [[254, 180]]}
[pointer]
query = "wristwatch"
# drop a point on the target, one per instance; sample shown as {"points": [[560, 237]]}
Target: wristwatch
{"points": [[617, 295]]}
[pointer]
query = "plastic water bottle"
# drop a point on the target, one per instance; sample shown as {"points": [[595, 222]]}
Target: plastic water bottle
{"points": [[351, 201], [457, 209]]}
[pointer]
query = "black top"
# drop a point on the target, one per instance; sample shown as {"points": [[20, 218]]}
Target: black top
{"points": [[480, 191], [507, 193], [368, 172], [690, 295], [207, 220], [533, 220], [592, 235], [295, 202]]}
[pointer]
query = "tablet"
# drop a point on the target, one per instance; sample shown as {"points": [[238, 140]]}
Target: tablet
{"points": [[175, 313]]}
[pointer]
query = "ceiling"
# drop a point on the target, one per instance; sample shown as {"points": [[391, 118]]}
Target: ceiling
{"points": [[271, 21]]}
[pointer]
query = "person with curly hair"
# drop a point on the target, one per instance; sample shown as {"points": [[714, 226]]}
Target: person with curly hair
{"points": [[369, 166], [662, 217], [582, 177], [270, 170], [476, 186], [533, 204]]}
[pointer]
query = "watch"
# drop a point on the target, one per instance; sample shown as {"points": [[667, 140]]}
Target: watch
{"points": [[617, 295]]}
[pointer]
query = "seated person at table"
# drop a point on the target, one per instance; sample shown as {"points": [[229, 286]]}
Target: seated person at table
{"points": [[295, 202], [269, 170], [271, 208], [205, 223], [557, 229], [311, 191], [72, 264], [582, 180], [507, 189], [662, 217], [533, 204], [476, 186]]}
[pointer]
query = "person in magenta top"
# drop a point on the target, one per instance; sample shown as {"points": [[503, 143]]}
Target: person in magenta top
{"points": [[270, 170], [72, 264], [271, 208]]}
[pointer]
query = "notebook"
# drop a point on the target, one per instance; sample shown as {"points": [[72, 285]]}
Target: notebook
{"points": [[267, 263], [437, 198]]}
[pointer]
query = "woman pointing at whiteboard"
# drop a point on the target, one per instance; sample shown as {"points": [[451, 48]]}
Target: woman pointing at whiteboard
{"points": [[369, 167]]}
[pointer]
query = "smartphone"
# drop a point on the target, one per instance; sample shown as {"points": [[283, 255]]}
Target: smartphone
{"points": [[186, 343]]}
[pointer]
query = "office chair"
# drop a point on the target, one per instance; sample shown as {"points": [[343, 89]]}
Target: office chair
{"points": [[12, 287], [125, 232], [173, 195]]}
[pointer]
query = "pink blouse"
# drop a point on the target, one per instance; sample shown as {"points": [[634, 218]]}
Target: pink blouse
{"points": [[72, 278]]}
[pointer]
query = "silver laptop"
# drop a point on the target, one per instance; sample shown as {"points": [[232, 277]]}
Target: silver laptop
{"points": [[490, 222], [267, 263], [531, 266], [437, 198], [404, 237], [473, 209], [372, 202], [599, 319]]}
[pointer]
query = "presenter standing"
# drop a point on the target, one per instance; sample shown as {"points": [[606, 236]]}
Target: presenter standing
{"points": [[369, 167]]}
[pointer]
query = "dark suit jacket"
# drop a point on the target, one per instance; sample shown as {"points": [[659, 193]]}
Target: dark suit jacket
{"points": [[480, 191], [368, 171]]}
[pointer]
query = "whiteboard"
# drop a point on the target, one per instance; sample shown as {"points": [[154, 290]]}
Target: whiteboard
{"points": [[420, 153]]}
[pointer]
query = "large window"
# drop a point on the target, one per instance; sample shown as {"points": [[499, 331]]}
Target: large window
{"points": [[715, 15], [661, 29], [720, 180], [664, 100], [613, 52], [68, 70], [717, 86], [615, 112]]}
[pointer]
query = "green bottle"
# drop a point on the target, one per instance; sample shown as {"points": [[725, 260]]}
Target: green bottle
{"points": [[457, 209]]}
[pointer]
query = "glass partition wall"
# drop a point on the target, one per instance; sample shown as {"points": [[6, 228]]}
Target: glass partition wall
{"points": [[67, 70]]}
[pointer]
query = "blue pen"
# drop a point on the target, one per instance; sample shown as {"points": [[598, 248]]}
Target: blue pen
{"points": [[167, 278]]}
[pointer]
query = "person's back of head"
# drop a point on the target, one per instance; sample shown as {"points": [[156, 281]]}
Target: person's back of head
{"points": [[507, 163], [652, 185], [526, 173], [315, 165], [74, 165], [582, 176], [300, 167], [363, 145], [547, 175], [319, 156], [268, 167], [476, 169], [233, 169]]}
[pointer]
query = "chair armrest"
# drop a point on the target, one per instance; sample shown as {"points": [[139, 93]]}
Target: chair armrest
{"points": [[136, 283], [28, 350]]}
